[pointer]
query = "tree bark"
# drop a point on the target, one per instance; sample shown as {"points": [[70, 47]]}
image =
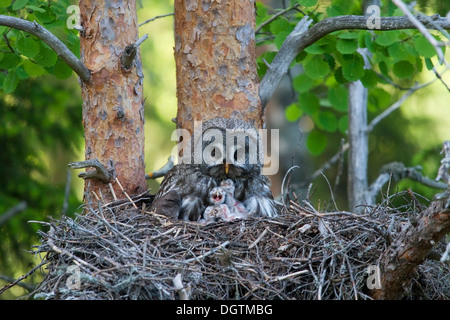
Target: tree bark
{"points": [[410, 249], [113, 109], [216, 62]]}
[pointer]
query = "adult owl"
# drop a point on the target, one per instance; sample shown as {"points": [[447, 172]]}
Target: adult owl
{"points": [[227, 148]]}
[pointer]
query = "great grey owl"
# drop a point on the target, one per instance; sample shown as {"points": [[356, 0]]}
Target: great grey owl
{"points": [[226, 149]]}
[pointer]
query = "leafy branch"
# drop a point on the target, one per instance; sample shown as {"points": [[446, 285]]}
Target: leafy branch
{"points": [[51, 40]]}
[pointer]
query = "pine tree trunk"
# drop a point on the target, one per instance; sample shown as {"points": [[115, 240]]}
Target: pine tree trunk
{"points": [[215, 62], [113, 110]]}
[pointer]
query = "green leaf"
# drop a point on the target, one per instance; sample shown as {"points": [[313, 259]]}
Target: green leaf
{"points": [[34, 8], [353, 67], [33, 69], [309, 103], [5, 3], [397, 51], [293, 112], [302, 83], [315, 49], [307, 3], [348, 35], [370, 78], [316, 68], [19, 4], [403, 69], [10, 83], [327, 121], [46, 57], [9, 61], [316, 142], [338, 97], [62, 70], [386, 38], [28, 46], [424, 47], [346, 46], [339, 76], [429, 64]]}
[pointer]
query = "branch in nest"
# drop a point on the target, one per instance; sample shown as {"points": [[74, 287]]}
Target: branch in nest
{"points": [[100, 172]]}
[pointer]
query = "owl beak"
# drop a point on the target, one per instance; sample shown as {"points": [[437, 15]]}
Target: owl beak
{"points": [[226, 167]]}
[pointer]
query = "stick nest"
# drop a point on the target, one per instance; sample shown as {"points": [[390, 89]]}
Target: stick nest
{"points": [[123, 252]]}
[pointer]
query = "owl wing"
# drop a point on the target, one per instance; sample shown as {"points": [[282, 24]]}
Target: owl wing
{"points": [[258, 198], [183, 193]]}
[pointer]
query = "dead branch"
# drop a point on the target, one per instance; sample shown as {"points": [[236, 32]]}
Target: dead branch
{"points": [[99, 173], [18, 208]]}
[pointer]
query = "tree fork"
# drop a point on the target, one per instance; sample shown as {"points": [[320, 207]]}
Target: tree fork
{"points": [[216, 62], [113, 108]]}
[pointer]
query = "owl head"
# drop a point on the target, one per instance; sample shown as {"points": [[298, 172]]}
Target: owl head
{"points": [[230, 148]]}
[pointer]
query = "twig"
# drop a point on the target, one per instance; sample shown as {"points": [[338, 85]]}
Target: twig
{"points": [[18, 208], [288, 173], [162, 171], [126, 194], [154, 18], [51, 40], [12, 284], [276, 15], [261, 236], [223, 245]]}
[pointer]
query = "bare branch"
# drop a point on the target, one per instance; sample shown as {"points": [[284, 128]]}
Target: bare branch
{"points": [[21, 206], [100, 172], [154, 18], [162, 171], [299, 40], [51, 40]]}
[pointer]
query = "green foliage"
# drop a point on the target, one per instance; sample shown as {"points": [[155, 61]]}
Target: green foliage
{"points": [[23, 56], [335, 60], [40, 128]]}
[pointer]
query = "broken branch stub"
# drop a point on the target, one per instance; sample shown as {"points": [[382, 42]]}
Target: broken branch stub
{"points": [[100, 172]]}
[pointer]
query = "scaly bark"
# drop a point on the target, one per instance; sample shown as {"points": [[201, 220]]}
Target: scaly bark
{"points": [[215, 61], [113, 109]]}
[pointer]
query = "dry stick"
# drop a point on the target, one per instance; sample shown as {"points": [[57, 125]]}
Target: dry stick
{"points": [[4, 217], [262, 235], [223, 245], [126, 194], [12, 284], [157, 17]]}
